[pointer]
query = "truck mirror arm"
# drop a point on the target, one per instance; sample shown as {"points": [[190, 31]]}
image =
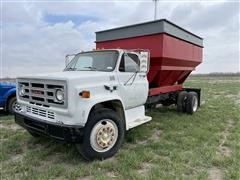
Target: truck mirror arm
{"points": [[134, 77]]}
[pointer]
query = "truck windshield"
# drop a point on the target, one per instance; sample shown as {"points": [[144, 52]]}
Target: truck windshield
{"points": [[93, 61]]}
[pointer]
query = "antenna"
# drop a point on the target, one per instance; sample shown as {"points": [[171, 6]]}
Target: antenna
{"points": [[155, 9]]}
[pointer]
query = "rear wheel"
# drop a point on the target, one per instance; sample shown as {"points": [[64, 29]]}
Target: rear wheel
{"points": [[181, 106], [191, 102], [11, 105], [103, 135]]}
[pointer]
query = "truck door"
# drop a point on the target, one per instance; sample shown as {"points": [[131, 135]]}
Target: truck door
{"points": [[133, 87]]}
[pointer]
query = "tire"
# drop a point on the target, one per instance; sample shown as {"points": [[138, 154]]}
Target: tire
{"points": [[191, 102], [103, 135], [11, 105], [181, 105], [33, 134]]}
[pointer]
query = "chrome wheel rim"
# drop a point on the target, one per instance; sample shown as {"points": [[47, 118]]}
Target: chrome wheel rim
{"points": [[104, 135], [195, 103]]}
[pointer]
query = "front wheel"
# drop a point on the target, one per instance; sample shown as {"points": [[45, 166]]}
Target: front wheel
{"points": [[103, 135]]}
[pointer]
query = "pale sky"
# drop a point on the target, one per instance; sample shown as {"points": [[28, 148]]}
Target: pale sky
{"points": [[36, 36]]}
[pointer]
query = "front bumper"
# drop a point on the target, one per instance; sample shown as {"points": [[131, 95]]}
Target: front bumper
{"points": [[61, 132]]}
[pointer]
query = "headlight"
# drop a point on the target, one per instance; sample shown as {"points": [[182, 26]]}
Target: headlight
{"points": [[59, 95], [22, 90]]}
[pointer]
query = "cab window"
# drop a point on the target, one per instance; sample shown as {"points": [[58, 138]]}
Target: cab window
{"points": [[129, 63]]}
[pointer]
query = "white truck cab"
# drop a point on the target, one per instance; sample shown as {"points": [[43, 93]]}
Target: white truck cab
{"points": [[99, 95]]}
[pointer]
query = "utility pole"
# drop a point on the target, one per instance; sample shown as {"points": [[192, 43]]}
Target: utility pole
{"points": [[155, 9]]}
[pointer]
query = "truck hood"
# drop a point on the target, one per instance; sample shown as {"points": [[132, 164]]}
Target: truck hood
{"points": [[67, 75]]}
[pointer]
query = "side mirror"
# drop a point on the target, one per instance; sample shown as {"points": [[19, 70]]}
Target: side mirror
{"points": [[144, 57]]}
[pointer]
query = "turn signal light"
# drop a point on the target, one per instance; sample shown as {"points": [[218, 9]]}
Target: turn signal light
{"points": [[85, 94]]}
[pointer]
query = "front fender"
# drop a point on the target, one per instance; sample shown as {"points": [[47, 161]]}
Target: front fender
{"points": [[87, 104]]}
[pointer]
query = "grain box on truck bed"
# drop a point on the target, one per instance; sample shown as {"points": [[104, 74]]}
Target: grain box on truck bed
{"points": [[175, 52]]}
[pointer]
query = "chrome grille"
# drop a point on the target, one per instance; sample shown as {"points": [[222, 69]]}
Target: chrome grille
{"points": [[43, 91], [40, 112]]}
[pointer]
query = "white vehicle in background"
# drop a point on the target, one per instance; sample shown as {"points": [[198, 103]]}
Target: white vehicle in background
{"points": [[98, 96]]}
